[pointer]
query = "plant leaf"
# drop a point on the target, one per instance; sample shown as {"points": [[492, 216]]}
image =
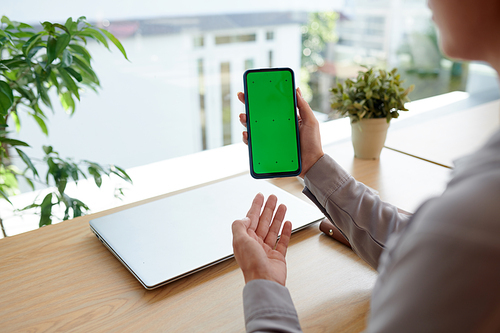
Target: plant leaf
{"points": [[95, 34], [77, 207], [31, 43], [61, 185], [6, 20], [51, 50], [30, 183], [5, 196], [67, 102], [86, 69], [42, 91], [3, 33], [13, 142], [24, 26], [70, 25], [6, 98], [53, 80], [16, 120], [68, 81], [81, 50], [49, 27], [52, 168], [27, 161], [41, 123], [82, 19], [74, 74], [74, 172], [61, 44], [46, 212], [120, 173], [47, 149], [16, 61], [66, 59], [31, 206], [33, 51], [98, 180], [115, 41], [62, 27], [94, 172]]}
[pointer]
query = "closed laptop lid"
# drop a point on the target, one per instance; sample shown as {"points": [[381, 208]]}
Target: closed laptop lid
{"points": [[164, 240]]}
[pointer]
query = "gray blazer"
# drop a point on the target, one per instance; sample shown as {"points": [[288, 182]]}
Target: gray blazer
{"points": [[439, 270]]}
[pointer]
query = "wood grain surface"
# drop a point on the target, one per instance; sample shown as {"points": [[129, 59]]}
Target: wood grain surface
{"points": [[60, 278], [442, 138], [399, 179]]}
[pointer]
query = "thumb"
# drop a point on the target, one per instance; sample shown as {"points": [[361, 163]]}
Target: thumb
{"points": [[305, 110], [239, 227]]}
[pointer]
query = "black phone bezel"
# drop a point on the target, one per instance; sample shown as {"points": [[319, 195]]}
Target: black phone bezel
{"points": [[247, 111]]}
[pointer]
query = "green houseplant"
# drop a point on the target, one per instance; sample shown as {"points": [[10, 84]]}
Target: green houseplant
{"points": [[370, 101], [34, 62]]}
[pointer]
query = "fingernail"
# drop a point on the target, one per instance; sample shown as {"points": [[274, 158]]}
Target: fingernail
{"points": [[299, 91]]}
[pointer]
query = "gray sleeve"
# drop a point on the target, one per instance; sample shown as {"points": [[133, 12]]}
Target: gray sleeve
{"points": [[443, 273], [268, 307], [362, 217]]}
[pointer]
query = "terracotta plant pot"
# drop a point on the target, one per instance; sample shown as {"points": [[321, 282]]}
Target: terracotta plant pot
{"points": [[368, 137]]}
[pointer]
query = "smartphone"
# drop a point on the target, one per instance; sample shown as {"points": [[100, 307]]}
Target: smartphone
{"points": [[272, 123]]}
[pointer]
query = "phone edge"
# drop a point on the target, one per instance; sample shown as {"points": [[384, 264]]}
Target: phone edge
{"points": [[245, 89]]}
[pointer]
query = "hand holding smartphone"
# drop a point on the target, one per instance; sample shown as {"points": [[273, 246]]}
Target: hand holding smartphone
{"points": [[272, 123]]}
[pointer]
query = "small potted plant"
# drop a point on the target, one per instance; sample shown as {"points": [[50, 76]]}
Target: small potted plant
{"points": [[370, 101]]}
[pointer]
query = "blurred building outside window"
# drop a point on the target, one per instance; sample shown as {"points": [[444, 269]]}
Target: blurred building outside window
{"points": [[177, 95]]}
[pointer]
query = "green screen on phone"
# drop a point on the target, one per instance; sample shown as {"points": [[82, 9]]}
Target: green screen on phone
{"points": [[272, 124]]}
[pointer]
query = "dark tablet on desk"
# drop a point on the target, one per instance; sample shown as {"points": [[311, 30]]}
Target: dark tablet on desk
{"points": [[165, 240]]}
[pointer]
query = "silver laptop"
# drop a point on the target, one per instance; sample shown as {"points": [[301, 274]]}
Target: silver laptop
{"points": [[165, 240]]}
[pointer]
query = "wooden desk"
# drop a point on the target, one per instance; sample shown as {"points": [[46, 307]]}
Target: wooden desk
{"points": [[61, 278], [442, 138]]}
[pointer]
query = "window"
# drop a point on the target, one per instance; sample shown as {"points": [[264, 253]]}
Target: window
{"points": [[249, 64], [201, 89], [199, 41], [225, 84], [178, 90], [235, 39]]}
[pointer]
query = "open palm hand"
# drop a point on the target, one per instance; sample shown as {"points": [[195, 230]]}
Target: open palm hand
{"points": [[257, 249]]}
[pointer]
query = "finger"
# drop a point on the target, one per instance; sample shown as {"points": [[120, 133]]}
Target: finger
{"points": [[239, 228], [241, 97], [274, 229], [254, 212], [286, 233], [266, 216], [243, 119], [245, 137], [305, 111]]}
